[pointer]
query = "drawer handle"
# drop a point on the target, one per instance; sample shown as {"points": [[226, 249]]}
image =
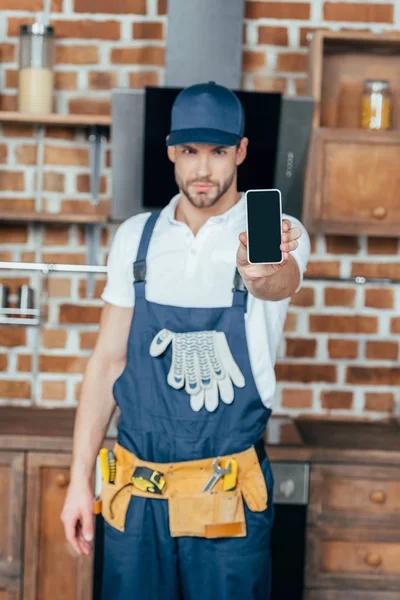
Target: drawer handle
{"points": [[373, 559], [378, 497], [62, 480], [379, 212]]}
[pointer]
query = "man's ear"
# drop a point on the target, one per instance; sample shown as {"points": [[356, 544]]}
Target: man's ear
{"points": [[171, 151], [242, 151]]}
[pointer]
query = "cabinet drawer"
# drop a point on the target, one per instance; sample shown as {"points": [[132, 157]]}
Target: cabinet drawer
{"points": [[355, 494], [353, 558]]}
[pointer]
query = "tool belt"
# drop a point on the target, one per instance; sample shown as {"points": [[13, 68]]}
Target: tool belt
{"points": [[192, 512]]}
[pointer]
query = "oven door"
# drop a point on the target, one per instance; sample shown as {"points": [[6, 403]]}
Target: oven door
{"points": [[291, 481]]}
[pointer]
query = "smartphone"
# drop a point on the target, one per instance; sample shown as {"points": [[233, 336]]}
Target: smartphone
{"points": [[264, 227]]}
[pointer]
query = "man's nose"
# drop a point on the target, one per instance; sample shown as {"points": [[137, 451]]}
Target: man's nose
{"points": [[203, 166]]}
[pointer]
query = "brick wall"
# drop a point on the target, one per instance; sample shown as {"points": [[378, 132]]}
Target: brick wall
{"points": [[341, 346]]}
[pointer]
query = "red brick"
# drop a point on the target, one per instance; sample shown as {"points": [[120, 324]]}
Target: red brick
{"points": [[12, 181], [56, 6], [369, 376], [278, 10], [76, 313], [98, 288], [104, 237], [87, 340], [3, 153], [54, 338], [28, 5], [76, 55], [395, 325], [62, 364], [339, 296], [144, 55], [64, 258], [379, 298], [143, 79], [56, 235], [376, 270], [147, 30], [297, 398], [87, 29], [83, 184], [85, 206], [356, 12], [17, 130], [53, 390], [53, 182], [292, 62], [12, 337], [26, 154], [274, 36], [22, 204], [15, 389], [342, 349], [68, 156], [382, 350], [383, 246], [301, 87], [102, 80], [304, 297], [11, 79], [13, 234], [60, 133], [64, 80], [379, 402], [24, 363], [28, 257], [85, 106], [337, 244], [337, 400], [301, 347], [3, 362], [269, 84], [8, 102], [305, 373], [128, 7], [5, 256], [343, 324], [328, 268], [59, 288], [290, 322], [162, 7], [254, 61], [7, 52]]}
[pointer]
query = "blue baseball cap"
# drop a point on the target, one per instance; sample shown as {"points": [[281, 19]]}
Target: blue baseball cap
{"points": [[206, 113]]}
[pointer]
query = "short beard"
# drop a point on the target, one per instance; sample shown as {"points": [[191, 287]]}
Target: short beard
{"points": [[202, 200]]}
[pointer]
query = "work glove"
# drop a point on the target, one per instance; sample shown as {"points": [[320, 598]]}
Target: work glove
{"points": [[203, 363]]}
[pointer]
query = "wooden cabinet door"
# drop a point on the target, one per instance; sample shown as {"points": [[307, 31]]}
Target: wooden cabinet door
{"points": [[352, 183], [51, 568], [11, 518]]}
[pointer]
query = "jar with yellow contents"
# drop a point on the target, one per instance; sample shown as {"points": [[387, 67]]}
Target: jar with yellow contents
{"points": [[376, 105]]}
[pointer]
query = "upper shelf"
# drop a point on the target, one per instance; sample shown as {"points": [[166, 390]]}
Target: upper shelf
{"points": [[55, 119]]}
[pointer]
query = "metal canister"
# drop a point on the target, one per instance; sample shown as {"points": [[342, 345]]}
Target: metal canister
{"points": [[25, 298], [4, 295]]}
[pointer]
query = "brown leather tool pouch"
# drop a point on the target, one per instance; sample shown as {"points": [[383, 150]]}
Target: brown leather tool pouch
{"points": [[207, 514], [116, 497]]}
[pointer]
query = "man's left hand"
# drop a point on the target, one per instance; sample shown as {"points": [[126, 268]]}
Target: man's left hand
{"points": [[250, 272]]}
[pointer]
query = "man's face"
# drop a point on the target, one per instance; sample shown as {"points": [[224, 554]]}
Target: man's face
{"points": [[204, 172]]}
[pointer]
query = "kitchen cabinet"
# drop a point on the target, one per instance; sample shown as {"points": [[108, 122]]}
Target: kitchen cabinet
{"points": [[352, 173], [11, 509], [49, 563]]}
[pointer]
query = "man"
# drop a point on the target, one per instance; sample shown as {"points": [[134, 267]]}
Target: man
{"points": [[187, 352]]}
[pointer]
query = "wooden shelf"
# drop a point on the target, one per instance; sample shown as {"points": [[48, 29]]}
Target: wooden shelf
{"points": [[42, 217], [55, 119]]}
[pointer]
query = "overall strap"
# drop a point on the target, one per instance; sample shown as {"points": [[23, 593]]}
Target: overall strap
{"points": [[139, 266], [239, 291]]}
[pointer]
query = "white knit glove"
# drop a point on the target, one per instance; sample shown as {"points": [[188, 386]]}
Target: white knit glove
{"points": [[203, 363]]}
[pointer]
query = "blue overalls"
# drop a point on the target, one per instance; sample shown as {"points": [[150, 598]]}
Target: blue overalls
{"points": [[157, 424]]}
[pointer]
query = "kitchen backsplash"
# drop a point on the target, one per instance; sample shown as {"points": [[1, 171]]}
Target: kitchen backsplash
{"points": [[340, 351]]}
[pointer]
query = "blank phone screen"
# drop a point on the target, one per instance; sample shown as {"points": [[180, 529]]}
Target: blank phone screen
{"points": [[264, 226]]}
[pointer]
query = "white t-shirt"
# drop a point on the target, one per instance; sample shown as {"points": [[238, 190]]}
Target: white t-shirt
{"points": [[197, 271]]}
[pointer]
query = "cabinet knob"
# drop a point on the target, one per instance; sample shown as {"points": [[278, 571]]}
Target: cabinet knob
{"points": [[379, 212], [378, 497], [62, 480], [373, 559]]}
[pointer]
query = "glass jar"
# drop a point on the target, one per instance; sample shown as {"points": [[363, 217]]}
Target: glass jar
{"points": [[376, 105], [35, 88]]}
